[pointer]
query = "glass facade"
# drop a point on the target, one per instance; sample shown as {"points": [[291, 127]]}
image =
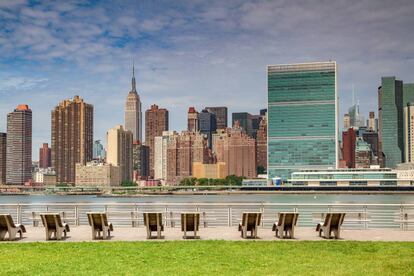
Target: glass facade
{"points": [[302, 114], [390, 96]]}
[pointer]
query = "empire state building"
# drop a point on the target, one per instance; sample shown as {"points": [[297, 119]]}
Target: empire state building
{"points": [[133, 114]]}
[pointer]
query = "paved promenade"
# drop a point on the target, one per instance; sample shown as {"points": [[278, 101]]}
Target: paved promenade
{"points": [[83, 233]]}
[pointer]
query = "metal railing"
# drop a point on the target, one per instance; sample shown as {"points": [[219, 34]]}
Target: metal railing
{"points": [[358, 216]]}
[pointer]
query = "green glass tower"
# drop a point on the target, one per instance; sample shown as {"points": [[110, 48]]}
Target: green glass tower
{"points": [[393, 96], [302, 117]]}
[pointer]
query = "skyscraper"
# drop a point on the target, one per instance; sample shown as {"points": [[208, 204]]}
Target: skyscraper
{"points": [[184, 149], [156, 121], [393, 95], [208, 124], [160, 153], [133, 113], [19, 145], [356, 119], [409, 133], [347, 121], [371, 121], [245, 120], [348, 147], [120, 151], [237, 150], [3, 152], [99, 152], [45, 156], [72, 137], [261, 144], [221, 115], [192, 124], [302, 117], [140, 160]]}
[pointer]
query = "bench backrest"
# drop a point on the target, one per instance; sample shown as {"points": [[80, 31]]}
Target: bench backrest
{"points": [[192, 221], [334, 219], [97, 219], [51, 221], [288, 219], [6, 221], [150, 219], [251, 219]]}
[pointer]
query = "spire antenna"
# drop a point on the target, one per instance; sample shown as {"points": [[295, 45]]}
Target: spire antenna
{"points": [[134, 88]]}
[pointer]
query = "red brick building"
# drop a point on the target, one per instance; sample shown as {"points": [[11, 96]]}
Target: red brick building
{"points": [[348, 147], [237, 149], [261, 144], [45, 156], [156, 121]]}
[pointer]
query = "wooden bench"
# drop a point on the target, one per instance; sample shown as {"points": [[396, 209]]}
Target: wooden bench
{"points": [[36, 217]]}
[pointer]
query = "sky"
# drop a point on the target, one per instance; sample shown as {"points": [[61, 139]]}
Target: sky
{"points": [[191, 53]]}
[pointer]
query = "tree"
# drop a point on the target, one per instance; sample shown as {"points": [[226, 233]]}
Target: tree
{"points": [[261, 170], [128, 183]]}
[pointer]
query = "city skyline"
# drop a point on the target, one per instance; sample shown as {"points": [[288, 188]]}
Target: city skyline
{"points": [[45, 58]]}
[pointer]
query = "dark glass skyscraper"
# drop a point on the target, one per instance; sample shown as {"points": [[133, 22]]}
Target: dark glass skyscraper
{"points": [[302, 118], [393, 95], [221, 115], [245, 120], [208, 124]]}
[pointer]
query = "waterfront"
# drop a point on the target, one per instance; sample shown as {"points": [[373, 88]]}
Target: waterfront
{"points": [[338, 198]]}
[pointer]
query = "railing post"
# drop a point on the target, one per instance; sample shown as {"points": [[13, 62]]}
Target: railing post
{"points": [[365, 217], [76, 215], [402, 218], [262, 211], [19, 214], [229, 213]]}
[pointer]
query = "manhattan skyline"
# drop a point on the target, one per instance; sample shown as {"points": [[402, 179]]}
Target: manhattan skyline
{"points": [[189, 54]]}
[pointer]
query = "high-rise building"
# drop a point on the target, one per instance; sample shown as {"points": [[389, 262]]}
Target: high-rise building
{"points": [[245, 120], [221, 115], [156, 121], [237, 149], [45, 156], [393, 95], [302, 117], [362, 154], [261, 144], [356, 119], [19, 145], [140, 160], [133, 113], [347, 121], [3, 153], [371, 121], [409, 133], [160, 153], [348, 147], [119, 151], [184, 149], [72, 137], [99, 152], [192, 124], [208, 124], [371, 137]]}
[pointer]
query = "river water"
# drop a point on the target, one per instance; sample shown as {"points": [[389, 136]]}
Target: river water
{"points": [[235, 198]]}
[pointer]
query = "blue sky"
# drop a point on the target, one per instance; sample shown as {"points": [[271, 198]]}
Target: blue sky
{"points": [[190, 53]]}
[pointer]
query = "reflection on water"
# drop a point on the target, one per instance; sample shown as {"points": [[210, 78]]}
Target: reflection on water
{"points": [[268, 198]]}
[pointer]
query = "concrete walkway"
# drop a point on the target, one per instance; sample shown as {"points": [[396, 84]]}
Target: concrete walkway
{"points": [[83, 233]]}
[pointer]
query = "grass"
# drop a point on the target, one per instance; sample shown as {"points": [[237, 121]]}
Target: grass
{"points": [[208, 258]]}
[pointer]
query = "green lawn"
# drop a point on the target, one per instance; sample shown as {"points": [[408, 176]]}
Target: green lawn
{"points": [[208, 258]]}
